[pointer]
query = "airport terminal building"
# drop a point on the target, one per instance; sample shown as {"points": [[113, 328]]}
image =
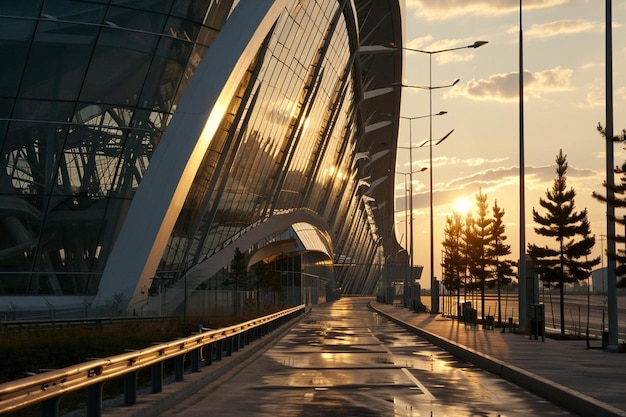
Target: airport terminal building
{"points": [[160, 156]]}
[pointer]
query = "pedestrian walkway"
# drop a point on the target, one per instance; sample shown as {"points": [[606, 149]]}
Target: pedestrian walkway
{"points": [[589, 382]]}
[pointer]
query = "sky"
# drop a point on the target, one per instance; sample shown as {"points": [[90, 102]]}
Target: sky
{"points": [[564, 100]]}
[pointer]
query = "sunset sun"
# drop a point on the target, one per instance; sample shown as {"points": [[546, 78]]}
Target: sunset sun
{"points": [[462, 205]]}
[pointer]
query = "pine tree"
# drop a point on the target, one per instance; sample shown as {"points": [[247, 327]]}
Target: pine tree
{"points": [[503, 268], [618, 200], [468, 244], [453, 263], [481, 242], [562, 264], [239, 270]]}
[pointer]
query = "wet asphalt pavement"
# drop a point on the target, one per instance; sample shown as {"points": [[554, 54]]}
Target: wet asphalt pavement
{"points": [[345, 360]]}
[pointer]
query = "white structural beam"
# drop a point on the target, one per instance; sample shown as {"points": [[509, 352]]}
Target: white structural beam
{"points": [[160, 197]]}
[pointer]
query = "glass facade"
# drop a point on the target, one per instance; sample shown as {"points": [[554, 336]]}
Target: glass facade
{"points": [[87, 89]]}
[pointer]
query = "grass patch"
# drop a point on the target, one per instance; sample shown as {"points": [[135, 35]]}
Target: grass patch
{"points": [[35, 350]]}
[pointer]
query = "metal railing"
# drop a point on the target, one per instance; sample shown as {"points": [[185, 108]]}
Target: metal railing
{"points": [[12, 326], [47, 388]]}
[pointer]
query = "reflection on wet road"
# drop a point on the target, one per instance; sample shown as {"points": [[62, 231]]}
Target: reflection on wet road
{"points": [[345, 360]]}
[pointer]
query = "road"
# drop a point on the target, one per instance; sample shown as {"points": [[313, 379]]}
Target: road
{"points": [[345, 360]]}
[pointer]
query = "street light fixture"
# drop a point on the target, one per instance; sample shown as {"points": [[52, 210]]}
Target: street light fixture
{"points": [[434, 296], [410, 119], [429, 141]]}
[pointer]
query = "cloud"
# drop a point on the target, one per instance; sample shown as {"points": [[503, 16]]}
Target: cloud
{"points": [[620, 93], [444, 161], [596, 96], [498, 181], [562, 27], [448, 9], [505, 87]]}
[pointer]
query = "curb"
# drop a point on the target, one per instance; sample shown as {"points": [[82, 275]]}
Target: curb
{"points": [[558, 394]]}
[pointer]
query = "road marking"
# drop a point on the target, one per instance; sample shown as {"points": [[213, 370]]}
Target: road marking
{"points": [[419, 384]]}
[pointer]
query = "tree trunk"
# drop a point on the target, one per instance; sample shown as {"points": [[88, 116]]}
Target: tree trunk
{"points": [[499, 298], [482, 298], [562, 308]]}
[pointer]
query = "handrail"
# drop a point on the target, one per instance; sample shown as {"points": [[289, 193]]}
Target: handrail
{"points": [[38, 388]]}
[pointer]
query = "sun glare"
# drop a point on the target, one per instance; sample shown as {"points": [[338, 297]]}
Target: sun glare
{"points": [[462, 205]]}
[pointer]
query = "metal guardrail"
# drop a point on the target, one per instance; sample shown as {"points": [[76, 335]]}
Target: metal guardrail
{"points": [[7, 326], [47, 388]]}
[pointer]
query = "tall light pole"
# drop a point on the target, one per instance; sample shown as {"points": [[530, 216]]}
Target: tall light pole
{"points": [[408, 197], [521, 268], [434, 289], [410, 147], [610, 183]]}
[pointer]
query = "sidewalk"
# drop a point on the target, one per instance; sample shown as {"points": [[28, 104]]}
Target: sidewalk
{"points": [[589, 382]]}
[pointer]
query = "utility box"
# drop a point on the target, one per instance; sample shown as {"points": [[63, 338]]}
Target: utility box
{"points": [[537, 322]]}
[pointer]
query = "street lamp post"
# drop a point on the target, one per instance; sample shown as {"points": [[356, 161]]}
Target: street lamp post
{"points": [[408, 208], [410, 147], [434, 305]]}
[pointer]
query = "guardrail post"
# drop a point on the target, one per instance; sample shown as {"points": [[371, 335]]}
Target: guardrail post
{"points": [[219, 347], [229, 346], [236, 342], [130, 388], [157, 377], [179, 367], [94, 400], [50, 407], [208, 354], [195, 360]]}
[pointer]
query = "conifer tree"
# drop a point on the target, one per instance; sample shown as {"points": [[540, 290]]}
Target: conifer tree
{"points": [[618, 200], [503, 268], [562, 264], [453, 263], [239, 270], [481, 235], [468, 244]]}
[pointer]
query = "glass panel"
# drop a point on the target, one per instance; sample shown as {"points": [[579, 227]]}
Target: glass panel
{"points": [[30, 164], [19, 227], [76, 11], [135, 19], [59, 56], [11, 282], [68, 243], [118, 68], [165, 75], [182, 29], [43, 110], [158, 6], [29, 8], [15, 38], [191, 9]]}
